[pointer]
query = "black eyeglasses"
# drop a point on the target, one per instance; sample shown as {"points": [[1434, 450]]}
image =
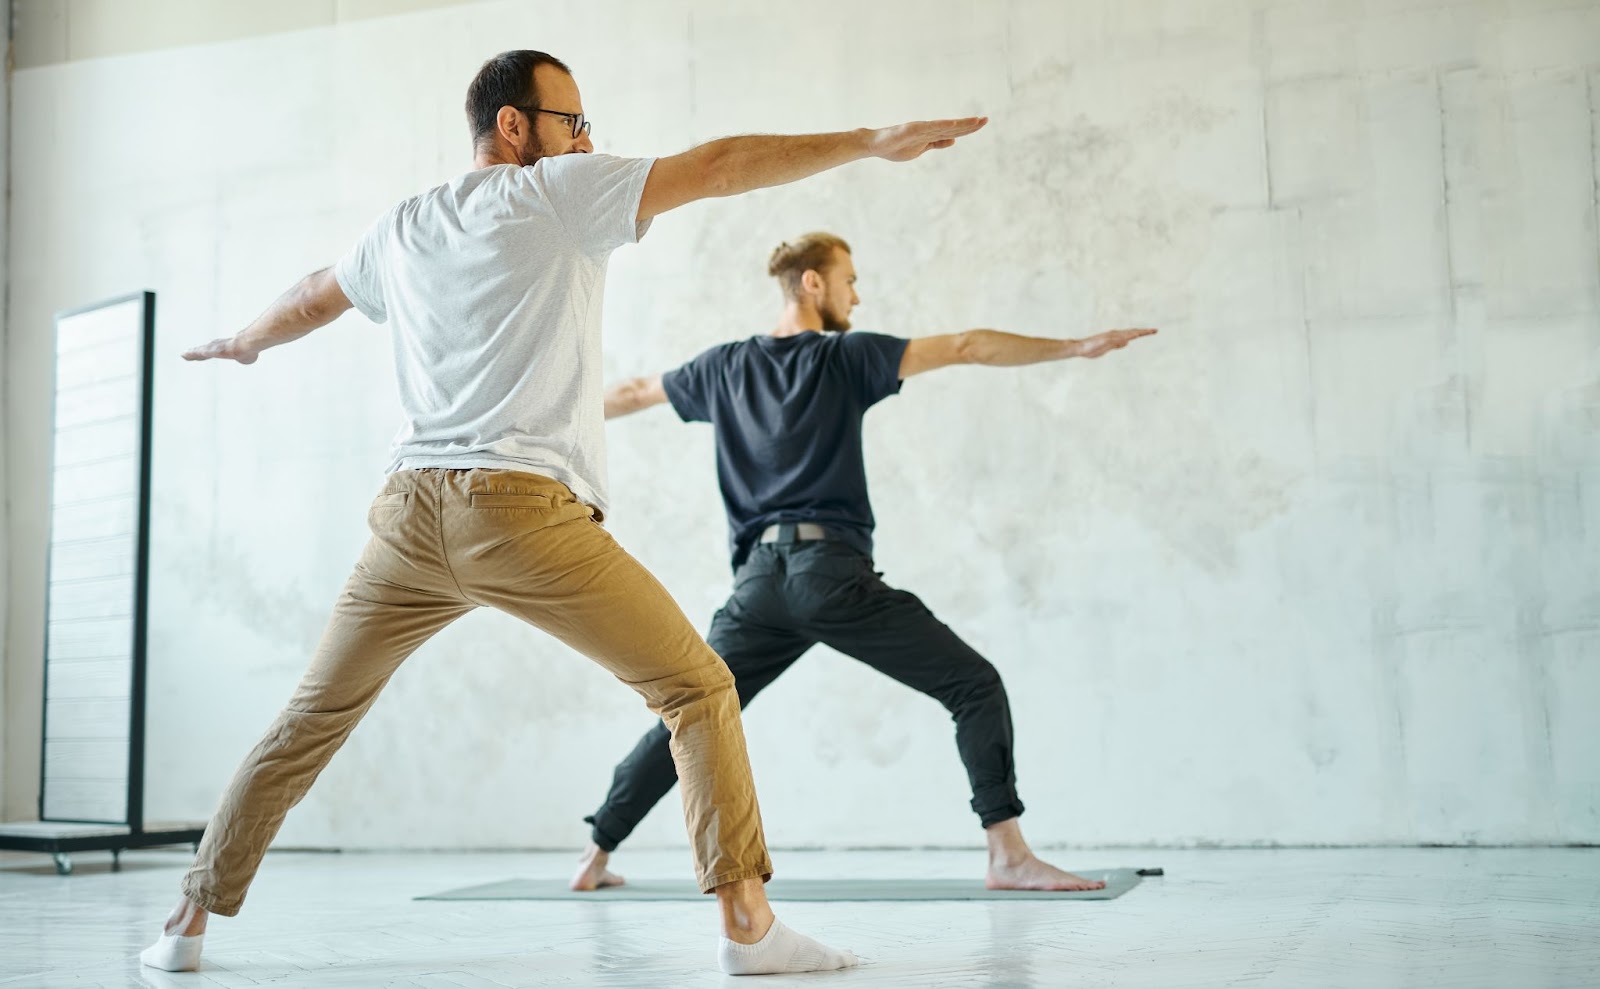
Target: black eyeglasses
{"points": [[580, 125]]}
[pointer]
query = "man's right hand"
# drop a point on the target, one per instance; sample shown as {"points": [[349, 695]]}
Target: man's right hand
{"points": [[223, 348], [1104, 343], [908, 141]]}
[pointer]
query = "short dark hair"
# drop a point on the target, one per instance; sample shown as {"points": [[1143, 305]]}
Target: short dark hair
{"points": [[505, 80]]}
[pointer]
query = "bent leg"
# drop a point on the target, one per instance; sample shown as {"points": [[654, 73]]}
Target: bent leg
{"points": [[893, 632]]}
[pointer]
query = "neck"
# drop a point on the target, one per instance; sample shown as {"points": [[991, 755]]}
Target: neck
{"points": [[798, 317], [496, 155]]}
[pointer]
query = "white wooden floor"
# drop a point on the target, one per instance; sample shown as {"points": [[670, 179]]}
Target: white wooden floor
{"points": [[1511, 919]]}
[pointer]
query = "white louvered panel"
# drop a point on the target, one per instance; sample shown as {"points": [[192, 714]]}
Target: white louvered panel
{"points": [[85, 717], [97, 441], [108, 638], [94, 520], [97, 402], [85, 800], [91, 559], [81, 600], [96, 480], [88, 760], [81, 679], [106, 360]]}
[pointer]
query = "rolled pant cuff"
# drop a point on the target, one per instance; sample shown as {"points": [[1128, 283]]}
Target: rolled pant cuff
{"points": [[600, 835], [210, 902], [992, 812], [762, 872]]}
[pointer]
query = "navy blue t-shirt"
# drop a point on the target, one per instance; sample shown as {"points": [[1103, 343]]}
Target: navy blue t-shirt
{"points": [[787, 413]]}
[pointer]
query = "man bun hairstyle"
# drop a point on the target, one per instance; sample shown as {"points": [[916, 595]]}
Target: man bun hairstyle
{"points": [[505, 80], [812, 252]]}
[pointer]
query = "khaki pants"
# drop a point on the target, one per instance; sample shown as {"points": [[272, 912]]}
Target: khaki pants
{"points": [[445, 542]]}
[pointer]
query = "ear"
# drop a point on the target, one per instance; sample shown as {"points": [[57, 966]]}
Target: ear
{"points": [[811, 281], [511, 125]]}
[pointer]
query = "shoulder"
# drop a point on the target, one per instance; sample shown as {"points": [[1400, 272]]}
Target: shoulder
{"points": [[722, 353], [862, 342], [570, 168], [443, 195]]}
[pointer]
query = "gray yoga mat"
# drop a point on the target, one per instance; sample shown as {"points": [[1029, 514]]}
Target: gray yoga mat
{"points": [[1118, 881]]}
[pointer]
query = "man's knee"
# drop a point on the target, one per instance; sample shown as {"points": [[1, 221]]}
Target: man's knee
{"points": [[707, 683], [979, 685]]}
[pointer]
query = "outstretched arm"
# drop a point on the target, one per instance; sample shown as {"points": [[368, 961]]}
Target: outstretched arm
{"points": [[998, 349], [735, 165], [315, 301], [634, 395]]}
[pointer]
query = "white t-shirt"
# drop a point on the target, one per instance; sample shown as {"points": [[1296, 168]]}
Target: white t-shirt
{"points": [[491, 285]]}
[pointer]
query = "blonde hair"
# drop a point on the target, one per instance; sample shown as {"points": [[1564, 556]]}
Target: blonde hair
{"points": [[812, 252]]}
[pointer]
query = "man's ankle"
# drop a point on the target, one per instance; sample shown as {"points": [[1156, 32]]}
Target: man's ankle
{"points": [[187, 920], [748, 928], [746, 914]]}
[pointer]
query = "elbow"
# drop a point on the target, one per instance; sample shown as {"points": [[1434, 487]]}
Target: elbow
{"points": [[969, 347], [717, 173], [312, 313], [313, 306]]}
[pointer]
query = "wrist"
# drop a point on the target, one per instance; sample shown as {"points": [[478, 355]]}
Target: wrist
{"points": [[1071, 348], [861, 141], [243, 346]]}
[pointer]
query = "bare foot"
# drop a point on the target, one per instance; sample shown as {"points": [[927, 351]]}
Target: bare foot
{"points": [[1033, 872], [592, 873]]}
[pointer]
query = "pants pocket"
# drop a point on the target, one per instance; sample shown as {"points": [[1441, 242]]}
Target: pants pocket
{"points": [[386, 508], [487, 500]]}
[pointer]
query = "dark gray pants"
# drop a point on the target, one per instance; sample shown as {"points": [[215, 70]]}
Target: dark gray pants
{"points": [[787, 598]]}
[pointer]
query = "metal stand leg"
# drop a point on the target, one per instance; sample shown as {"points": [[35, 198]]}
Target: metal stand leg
{"points": [[63, 863], [116, 860]]}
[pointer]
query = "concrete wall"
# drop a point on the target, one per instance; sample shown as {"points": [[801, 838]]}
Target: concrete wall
{"points": [[50, 32], [1316, 565]]}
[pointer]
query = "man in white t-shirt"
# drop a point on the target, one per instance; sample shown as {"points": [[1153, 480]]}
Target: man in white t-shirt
{"points": [[491, 285]]}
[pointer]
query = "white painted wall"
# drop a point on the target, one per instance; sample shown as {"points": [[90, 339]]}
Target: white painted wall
{"points": [[1317, 565]]}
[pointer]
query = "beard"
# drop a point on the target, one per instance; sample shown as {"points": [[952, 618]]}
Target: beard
{"points": [[833, 322], [531, 152]]}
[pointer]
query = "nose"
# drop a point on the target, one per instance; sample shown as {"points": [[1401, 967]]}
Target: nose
{"points": [[584, 144]]}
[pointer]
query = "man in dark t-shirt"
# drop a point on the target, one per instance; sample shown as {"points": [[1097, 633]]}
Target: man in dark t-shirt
{"points": [[787, 410]]}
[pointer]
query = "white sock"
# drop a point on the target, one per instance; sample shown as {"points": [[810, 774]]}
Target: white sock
{"points": [[781, 950], [174, 953]]}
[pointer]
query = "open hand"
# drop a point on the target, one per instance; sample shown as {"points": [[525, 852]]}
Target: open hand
{"points": [[223, 348], [909, 141], [1104, 343]]}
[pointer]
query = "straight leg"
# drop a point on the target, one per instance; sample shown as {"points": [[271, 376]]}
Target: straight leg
{"points": [[520, 543], [756, 654], [392, 603]]}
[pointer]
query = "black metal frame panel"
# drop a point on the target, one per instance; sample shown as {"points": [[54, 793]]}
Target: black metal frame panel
{"points": [[59, 835]]}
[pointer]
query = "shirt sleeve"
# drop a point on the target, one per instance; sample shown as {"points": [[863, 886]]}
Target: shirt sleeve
{"points": [[689, 387], [360, 272], [597, 198], [873, 362]]}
